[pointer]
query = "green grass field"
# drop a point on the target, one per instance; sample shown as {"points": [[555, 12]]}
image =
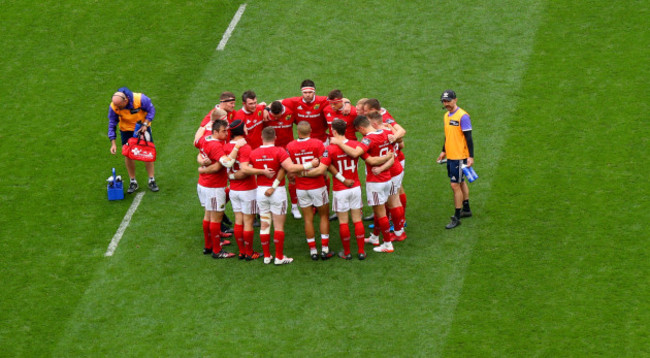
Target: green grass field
{"points": [[554, 263]]}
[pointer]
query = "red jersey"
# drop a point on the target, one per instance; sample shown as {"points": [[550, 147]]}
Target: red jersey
{"points": [[302, 151], [330, 115], [243, 155], [310, 112], [268, 156], [253, 123], [376, 144], [212, 148], [283, 127], [388, 119], [397, 168], [345, 164]]}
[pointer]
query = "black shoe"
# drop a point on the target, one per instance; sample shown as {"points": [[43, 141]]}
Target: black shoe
{"points": [[334, 217], [222, 255], [256, 223], [370, 217], [254, 256], [132, 187], [225, 221], [344, 256], [466, 214], [227, 229], [453, 223], [326, 255], [207, 251], [152, 186], [362, 256], [314, 257], [241, 256]]}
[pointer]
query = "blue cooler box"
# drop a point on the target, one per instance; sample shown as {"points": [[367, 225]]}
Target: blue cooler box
{"points": [[115, 188]]}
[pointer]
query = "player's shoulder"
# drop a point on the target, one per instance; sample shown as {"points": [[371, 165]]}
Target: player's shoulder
{"points": [[332, 148], [352, 143]]}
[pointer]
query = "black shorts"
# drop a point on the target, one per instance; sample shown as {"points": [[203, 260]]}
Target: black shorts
{"points": [[129, 134], [455, 171]]}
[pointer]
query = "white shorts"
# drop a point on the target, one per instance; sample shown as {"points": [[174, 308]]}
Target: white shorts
{"points": [[403, 162], [244, 201], [397, 183], [313, 197], [347, 199], [276, 203], [377, 193], [212, 199]]}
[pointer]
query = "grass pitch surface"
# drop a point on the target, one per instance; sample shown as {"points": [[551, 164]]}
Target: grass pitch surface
{"points": [[554, 262]]}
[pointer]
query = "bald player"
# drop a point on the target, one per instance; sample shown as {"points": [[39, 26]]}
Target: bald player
{"points": [[128, 108]]}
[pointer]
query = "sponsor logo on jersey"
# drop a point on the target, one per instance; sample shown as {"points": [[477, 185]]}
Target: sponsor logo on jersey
{"points": [[454, 123], [300, 108]]}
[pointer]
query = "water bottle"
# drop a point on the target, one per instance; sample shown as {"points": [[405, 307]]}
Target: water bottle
{"points": [[137, 129], [469, 172]]}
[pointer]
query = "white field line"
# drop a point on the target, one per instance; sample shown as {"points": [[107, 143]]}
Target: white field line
{"points": [[231, 27], [125, 223]]}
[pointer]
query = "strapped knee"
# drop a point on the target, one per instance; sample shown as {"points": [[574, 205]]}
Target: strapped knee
{"points": [[265, 223]]}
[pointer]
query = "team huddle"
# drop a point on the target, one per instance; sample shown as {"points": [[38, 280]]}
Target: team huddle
{"points": [[247, 157]]}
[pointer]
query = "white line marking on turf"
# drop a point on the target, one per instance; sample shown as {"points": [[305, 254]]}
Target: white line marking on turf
{"points": [[231, 27], [125, 223]]}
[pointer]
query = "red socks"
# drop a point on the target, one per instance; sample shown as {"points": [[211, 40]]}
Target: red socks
{"points": [[360, 234], [266, 244], [206, 234], [239, 237], [278, 240], [376, 230], [215, 232], [397, 214], [344, 230], [248, 242], [384, 225]]}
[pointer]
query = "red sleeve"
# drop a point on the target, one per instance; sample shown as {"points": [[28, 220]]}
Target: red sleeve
{"points": [[327, 156], [289, 103], [206, 119], [365, 144], [198, 143], [364, 156]]}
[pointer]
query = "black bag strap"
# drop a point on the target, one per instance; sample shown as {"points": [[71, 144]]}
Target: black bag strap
{"points": [[142, 136]]}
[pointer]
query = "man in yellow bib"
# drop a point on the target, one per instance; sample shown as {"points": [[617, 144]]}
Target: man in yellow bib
{"points": [[459, 150], [128, 109]]}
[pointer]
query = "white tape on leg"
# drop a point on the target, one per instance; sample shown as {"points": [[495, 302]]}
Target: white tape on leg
{"points": [[265, 223]]}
